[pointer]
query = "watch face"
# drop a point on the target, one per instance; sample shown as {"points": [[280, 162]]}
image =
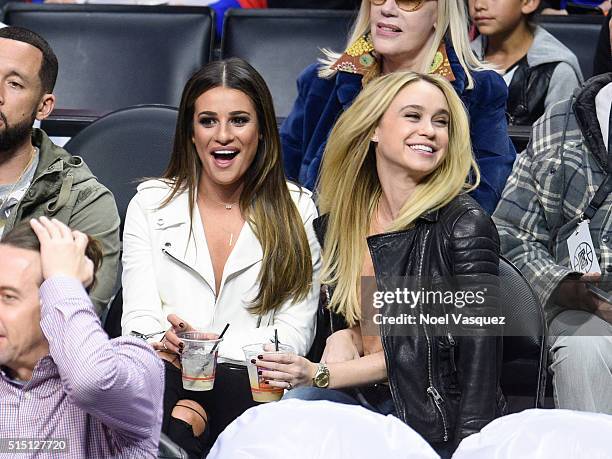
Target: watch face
{"points": [[322, 379]]}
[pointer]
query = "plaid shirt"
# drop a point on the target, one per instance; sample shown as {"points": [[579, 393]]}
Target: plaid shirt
{"points": [[104, 397], [551, 185]]}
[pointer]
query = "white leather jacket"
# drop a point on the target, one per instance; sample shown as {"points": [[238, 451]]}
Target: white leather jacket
{"points": [[165, 271]]}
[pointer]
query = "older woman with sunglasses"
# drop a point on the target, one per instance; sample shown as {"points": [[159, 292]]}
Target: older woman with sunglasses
{"points": [[427, 36]]}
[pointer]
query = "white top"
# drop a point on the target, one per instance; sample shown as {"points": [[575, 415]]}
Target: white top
{"points": [[166, 271], [603, 101], [12, 194], [509, 74], [303, 429], [541, 434]]}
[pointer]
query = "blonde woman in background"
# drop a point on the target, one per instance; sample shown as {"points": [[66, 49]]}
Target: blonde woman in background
{"points": [[393, 195], [428, 36]]}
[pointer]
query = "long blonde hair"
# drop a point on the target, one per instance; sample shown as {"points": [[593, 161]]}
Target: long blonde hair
{"points": [[452, 16], [349, 188]]}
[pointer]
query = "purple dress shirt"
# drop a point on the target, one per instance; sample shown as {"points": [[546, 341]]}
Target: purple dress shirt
{"points": [[104, 397]]}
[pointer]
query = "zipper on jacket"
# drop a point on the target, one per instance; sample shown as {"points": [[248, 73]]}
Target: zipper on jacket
{"points": [[329, 312], [185, 265], [438, 401], [431, 390], [452, 342]]}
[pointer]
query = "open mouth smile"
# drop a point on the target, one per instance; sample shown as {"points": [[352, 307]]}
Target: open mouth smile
{"points": [[421, 148]]}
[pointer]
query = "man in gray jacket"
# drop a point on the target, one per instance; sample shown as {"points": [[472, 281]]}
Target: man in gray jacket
{"points": [[555, 223], [37, 177]]}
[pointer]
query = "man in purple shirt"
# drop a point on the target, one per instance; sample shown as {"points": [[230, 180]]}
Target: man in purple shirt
{"points": [[66, 390]]}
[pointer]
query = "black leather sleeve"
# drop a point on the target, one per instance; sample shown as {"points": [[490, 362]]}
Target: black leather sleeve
{"points": [[474, 252]]}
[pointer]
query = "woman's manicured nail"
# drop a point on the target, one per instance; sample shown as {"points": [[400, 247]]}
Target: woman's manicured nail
{"points": [[259, 372], [260, 357], [253, 361], [181, 345], [182, 325]]}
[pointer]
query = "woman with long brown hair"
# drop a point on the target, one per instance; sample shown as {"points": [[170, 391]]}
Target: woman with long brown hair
{"points": [[220, 238]]}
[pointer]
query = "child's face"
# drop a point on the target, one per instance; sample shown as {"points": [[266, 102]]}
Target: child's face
{"points": [[500, 16]]}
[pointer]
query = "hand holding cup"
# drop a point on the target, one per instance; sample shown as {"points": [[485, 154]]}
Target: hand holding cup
{"points": [[285, 370], [171, 343]]}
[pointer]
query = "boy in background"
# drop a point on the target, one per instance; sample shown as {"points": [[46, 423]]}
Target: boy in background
{"points": [[538, 69]]}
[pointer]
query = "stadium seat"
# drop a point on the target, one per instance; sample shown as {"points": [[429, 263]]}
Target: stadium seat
{"points": [[520, 136], [126, 146], [525, 340], [112, 319], [579, 33], [280, 43], [115, 56], [170, 450]]}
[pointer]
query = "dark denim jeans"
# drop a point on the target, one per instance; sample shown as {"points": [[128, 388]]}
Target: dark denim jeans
{"points": [[383, 405]]}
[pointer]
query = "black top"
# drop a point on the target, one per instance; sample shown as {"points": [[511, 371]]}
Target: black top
{"points": [[603, 55]]}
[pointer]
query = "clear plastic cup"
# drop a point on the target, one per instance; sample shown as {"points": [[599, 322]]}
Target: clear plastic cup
{"points": [[261, 391], [198, 360]]}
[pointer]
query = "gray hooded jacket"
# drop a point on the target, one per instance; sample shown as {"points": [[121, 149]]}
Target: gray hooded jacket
{"points": [[546, 49]]}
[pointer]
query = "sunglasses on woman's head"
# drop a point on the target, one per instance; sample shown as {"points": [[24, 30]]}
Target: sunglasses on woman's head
{"points": [[405, 5]]}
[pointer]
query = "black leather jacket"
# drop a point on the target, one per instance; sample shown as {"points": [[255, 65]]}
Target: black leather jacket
{"points": [[444, 387], [527, 92]]}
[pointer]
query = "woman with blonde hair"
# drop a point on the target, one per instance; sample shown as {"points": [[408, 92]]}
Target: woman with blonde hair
{"points": [[393, 194], [427, 36]]}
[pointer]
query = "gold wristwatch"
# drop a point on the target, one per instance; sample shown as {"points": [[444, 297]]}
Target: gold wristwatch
{"points": [[321, 377]]}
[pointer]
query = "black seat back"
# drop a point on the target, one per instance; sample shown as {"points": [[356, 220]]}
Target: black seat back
{"points": [[280, 43], [115, 56], [526, 334], [126, 146], [579, 33], [170, 450]]}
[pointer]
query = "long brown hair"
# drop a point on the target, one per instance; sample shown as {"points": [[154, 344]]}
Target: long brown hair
{"points": [[22, 236], [265, 202]]}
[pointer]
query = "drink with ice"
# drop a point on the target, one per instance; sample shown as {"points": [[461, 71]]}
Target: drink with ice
{"points": [[199, 370], [198, 361]]}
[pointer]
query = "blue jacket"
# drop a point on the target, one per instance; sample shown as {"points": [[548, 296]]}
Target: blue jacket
{"points": [[321, 101]]}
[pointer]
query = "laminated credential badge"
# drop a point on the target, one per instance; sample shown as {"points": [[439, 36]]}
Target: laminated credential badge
{"points": [[582, 254]]}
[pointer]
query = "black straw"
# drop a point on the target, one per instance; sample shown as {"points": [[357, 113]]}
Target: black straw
{"points": [[220, 337], [276, 339]]}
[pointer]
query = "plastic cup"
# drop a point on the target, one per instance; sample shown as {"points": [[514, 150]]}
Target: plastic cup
{"points": [[261, 391], [198, 360]]}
